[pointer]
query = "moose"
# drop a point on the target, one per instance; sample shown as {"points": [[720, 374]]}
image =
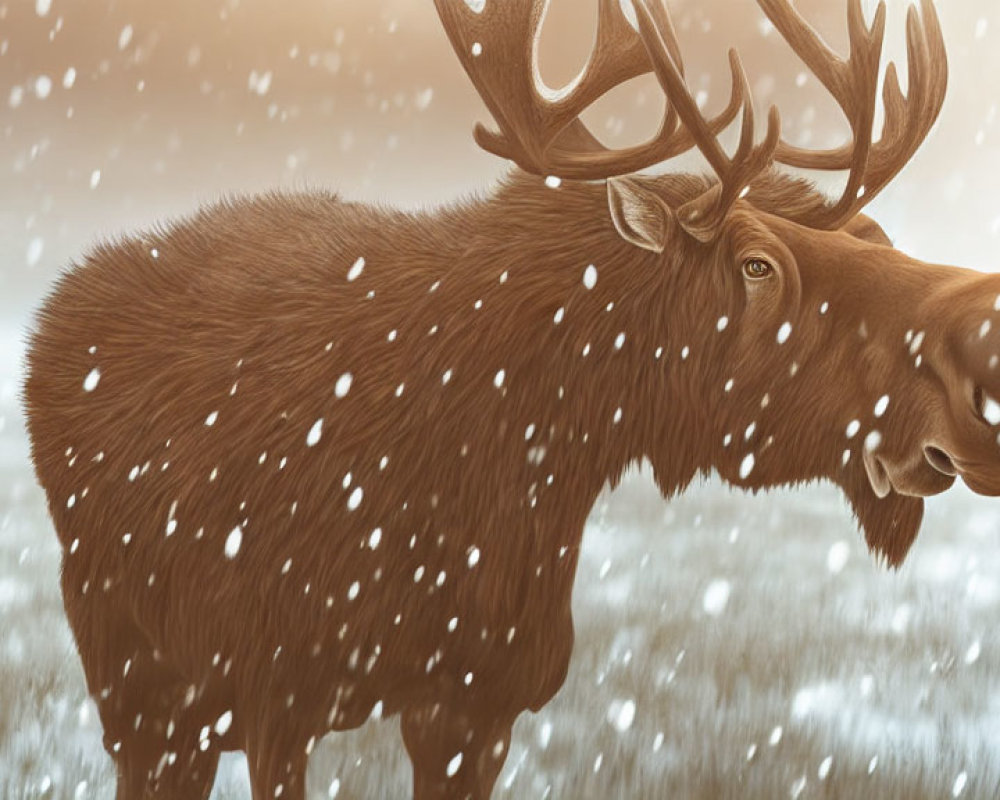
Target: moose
{"points": [[312, 461]]}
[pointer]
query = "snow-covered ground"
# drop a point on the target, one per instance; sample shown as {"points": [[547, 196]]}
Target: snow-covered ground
{"points": [[728, 645]]}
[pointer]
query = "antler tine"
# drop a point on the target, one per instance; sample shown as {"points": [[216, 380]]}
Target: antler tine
{"points": [[503, 68], [569, 159], [909, 119], [520, 21], [834, 72], [702, 216], [608, 66], [836, 75], [541, 131], [854, 85]]}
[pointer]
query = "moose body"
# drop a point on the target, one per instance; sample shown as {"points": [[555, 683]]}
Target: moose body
{"points": [[309, 460], [478, 486]]}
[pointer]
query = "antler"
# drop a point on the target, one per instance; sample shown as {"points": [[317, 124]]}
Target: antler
{"points": [[854, 85], [702, 216], [541, 130]]}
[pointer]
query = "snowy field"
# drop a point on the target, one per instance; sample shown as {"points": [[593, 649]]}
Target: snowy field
{"points": [[727, 645]]}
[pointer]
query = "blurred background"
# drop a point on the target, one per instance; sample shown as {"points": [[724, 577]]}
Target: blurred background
{"points": [[729, 645], [118, 113]]}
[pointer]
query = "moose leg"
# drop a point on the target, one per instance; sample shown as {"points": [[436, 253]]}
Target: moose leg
{"points": [[152, 733], [150, 730], [277, 764], [179, 771], [456, 752]]}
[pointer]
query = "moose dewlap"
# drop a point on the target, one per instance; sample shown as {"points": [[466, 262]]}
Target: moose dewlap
{"points": [[308, 458]]}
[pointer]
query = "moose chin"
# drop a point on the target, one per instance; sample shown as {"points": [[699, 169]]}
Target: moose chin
{"points": [[308, 458]]}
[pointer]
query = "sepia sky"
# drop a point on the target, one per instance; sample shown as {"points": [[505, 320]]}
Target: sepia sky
{"points": [[119, 113]]}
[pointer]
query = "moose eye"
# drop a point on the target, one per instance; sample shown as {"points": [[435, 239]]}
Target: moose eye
{"points": [[757, 268]]}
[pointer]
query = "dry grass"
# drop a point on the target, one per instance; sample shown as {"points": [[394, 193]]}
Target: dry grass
{"points": [[891, 676]]}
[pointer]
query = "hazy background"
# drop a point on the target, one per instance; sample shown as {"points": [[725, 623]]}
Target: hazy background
{"points": [[176, 103], [728, 645]]}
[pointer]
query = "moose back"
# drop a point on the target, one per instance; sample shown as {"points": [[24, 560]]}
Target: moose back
{"points": [[308, 458]]}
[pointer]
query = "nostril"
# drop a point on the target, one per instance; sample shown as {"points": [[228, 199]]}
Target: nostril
{"points": [[940, 460]]}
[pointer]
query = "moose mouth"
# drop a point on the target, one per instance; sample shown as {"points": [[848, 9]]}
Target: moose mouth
{"points": [[887, 497], [932, 474]]}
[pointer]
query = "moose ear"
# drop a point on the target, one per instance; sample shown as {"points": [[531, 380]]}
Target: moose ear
{"points": [[863, 227], [640, 216]]}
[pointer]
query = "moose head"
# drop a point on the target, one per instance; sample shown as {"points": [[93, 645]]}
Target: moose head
{"points": [[843, 358]]}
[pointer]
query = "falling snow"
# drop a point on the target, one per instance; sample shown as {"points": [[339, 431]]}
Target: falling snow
{"points": [[93, 378], [836, 558], [356, 269], [354, 501], [315, 433], [35, 249], [991, 410], [234, 541], [343, 386], [223, 723], [259, 83], [716, 597], [125, 37], [622, 714], [423, 98], [43, 86]]}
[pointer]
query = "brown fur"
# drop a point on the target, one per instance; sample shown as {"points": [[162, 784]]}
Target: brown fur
{"points": [[247, 311]]}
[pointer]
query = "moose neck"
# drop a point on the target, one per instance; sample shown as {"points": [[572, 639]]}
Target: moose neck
{"points": [[597, 372]]}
